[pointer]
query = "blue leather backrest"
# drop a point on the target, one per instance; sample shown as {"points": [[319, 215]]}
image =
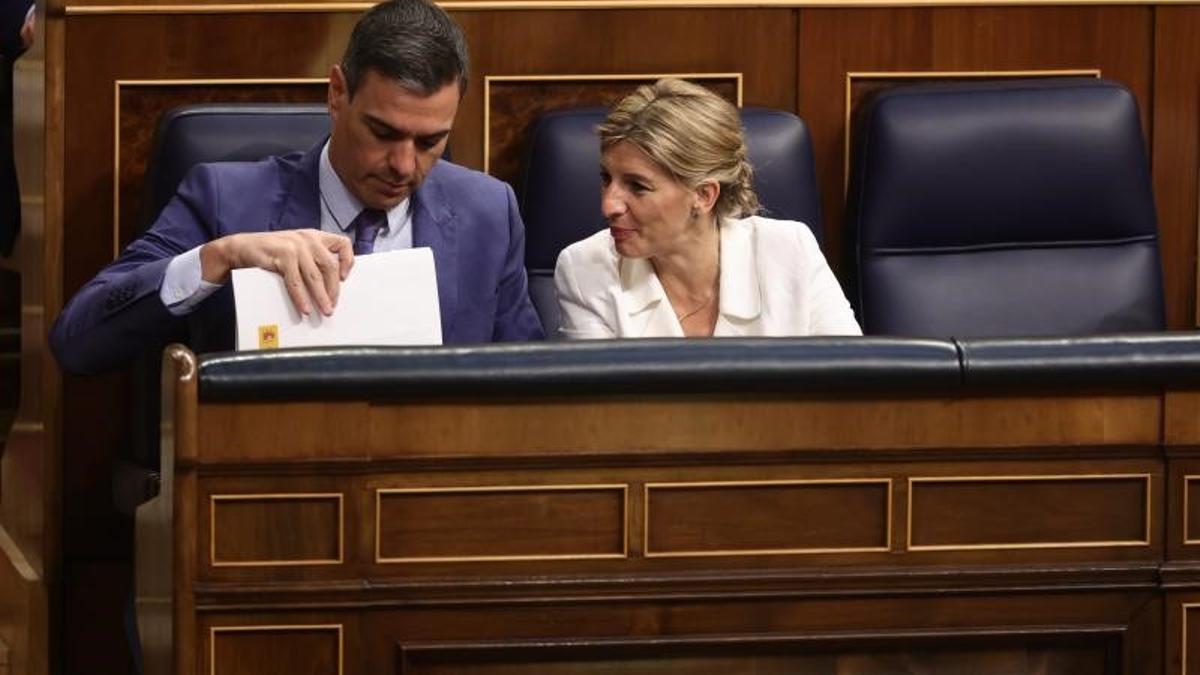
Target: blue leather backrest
{"points": [[560, 191], [1004, 208], [225, 132]]}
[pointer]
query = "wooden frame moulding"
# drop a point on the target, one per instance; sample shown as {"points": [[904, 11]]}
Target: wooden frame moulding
{"points": [[213, 630], [646, 552], [599, 77], [622, 487], [510, 5], [1147, 525], [212, 528], [187, 82]]}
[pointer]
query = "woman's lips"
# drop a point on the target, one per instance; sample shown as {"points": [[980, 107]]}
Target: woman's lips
{"points": [[620, 233]]}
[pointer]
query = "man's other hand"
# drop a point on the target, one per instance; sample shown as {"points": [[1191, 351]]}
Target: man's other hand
{"points": [[313, 263]]}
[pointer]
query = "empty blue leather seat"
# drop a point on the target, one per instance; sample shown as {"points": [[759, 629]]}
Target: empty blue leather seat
{"points": [[560, 190], [225, 132], [1018, 207]]}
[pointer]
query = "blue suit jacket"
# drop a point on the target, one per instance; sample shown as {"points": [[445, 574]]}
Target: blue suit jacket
{"points": [[470, 220]]}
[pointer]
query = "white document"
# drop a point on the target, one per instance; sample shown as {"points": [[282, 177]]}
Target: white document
{"points": [[387, 299]]}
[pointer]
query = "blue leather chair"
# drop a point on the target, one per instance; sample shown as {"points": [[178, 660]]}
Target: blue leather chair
{"points": [[1003, 208], [225, 132], [560, 191]]}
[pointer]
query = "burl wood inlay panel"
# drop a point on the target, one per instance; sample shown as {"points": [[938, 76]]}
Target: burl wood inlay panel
{"points": [[262, 530], [767, 518], [514, 104], [275, 650], [503, 523], [1028, 512], [141, 104]]}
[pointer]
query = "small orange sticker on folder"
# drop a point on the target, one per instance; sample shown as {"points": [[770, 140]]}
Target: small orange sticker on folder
{"points": [[268, 336]]}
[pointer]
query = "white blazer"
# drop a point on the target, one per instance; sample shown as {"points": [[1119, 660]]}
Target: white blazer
{"points": [[774, 281]]}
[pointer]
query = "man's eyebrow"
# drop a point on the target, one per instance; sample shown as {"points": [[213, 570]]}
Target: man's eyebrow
{"points": [[391, 130]]}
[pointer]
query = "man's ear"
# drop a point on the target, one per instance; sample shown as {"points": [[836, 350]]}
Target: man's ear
{"points": [[706, 195], [337, 91]]}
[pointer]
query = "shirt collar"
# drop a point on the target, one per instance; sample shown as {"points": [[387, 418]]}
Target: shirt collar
{"points": [[740, 292], [344, 206]]}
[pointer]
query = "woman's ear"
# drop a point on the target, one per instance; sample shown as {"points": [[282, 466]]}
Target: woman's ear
{"points": [[706, 196]]}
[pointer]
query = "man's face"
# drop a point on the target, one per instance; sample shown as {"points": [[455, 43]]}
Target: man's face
{"points": [[386, 138]]}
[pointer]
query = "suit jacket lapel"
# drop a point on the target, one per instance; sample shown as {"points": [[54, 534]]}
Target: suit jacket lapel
{"points": [[302, 199], [642, 306], [435, 225]]}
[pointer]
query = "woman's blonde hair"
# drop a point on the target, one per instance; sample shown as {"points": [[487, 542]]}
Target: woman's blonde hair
{"points": [[692, 133]]}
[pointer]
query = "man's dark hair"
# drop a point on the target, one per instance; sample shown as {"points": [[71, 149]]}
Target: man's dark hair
{"points": [[412, 41]]}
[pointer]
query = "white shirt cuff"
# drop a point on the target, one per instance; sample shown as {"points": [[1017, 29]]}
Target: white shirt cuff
{"points": [[183, 286]]}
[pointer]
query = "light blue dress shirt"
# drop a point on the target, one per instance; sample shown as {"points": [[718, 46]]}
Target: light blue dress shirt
{"points": [[183, 287]]}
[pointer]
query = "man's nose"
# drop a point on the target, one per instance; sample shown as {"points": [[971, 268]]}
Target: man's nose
{"points": [[402, 158]]}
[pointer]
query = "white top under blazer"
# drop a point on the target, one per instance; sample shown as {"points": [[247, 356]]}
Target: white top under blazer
{"points": [[774, 282]]}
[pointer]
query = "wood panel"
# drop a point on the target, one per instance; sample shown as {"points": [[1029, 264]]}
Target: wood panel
{"points": [[139, 107], [767, 517], [276, 650], [500, 523], [514, 103], [275, 529], [1029, 511], [1176, 156]]}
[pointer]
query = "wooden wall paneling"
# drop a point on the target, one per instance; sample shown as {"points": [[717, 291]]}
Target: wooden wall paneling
{"points": [[833, 42], [758, 43], [514, 103], [1176, 156], [140, 104]]}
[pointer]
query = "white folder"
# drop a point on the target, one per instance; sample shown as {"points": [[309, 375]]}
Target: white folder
{"points": [[387, 299]]}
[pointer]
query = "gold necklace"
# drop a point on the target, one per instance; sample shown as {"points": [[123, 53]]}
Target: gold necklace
{"points": [[684, 317]]}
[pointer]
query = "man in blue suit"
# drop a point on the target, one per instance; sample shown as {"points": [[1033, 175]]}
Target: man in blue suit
{"points": [[376, 184]]}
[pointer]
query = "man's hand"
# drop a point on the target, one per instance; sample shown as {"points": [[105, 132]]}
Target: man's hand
{"points": [[313, 263]]}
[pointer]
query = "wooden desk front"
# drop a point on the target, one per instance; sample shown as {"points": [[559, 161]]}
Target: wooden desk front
{"points": [[1011, 532]]}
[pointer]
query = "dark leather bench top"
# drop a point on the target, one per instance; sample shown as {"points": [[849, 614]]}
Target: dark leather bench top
{"points": [[792, 365], [815, 365], [1128, 360]]}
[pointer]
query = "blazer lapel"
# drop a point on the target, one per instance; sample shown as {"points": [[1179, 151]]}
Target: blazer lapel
{"points": [[741, 295], [643, 309], [435, 225], [302, 201]]}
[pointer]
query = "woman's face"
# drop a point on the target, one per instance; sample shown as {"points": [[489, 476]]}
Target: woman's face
{"points": [[648, 211]]}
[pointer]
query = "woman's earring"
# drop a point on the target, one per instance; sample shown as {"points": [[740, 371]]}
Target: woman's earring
{"points": [[695, 212]]}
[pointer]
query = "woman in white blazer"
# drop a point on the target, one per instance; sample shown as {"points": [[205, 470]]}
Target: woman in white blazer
{"points": [[683, 254]]}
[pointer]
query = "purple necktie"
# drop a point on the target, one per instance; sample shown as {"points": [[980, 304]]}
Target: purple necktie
{"points": [[366, 228]]}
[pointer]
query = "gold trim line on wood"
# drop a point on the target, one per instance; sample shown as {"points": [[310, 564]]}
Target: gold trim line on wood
{"points": [[943, 74], [1146, 541], [213, 630], [117, 84], [212, 528], [495, 5], [622, 487], [1187, 478], [1184, 607], [753, 552], [579, 77]]}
